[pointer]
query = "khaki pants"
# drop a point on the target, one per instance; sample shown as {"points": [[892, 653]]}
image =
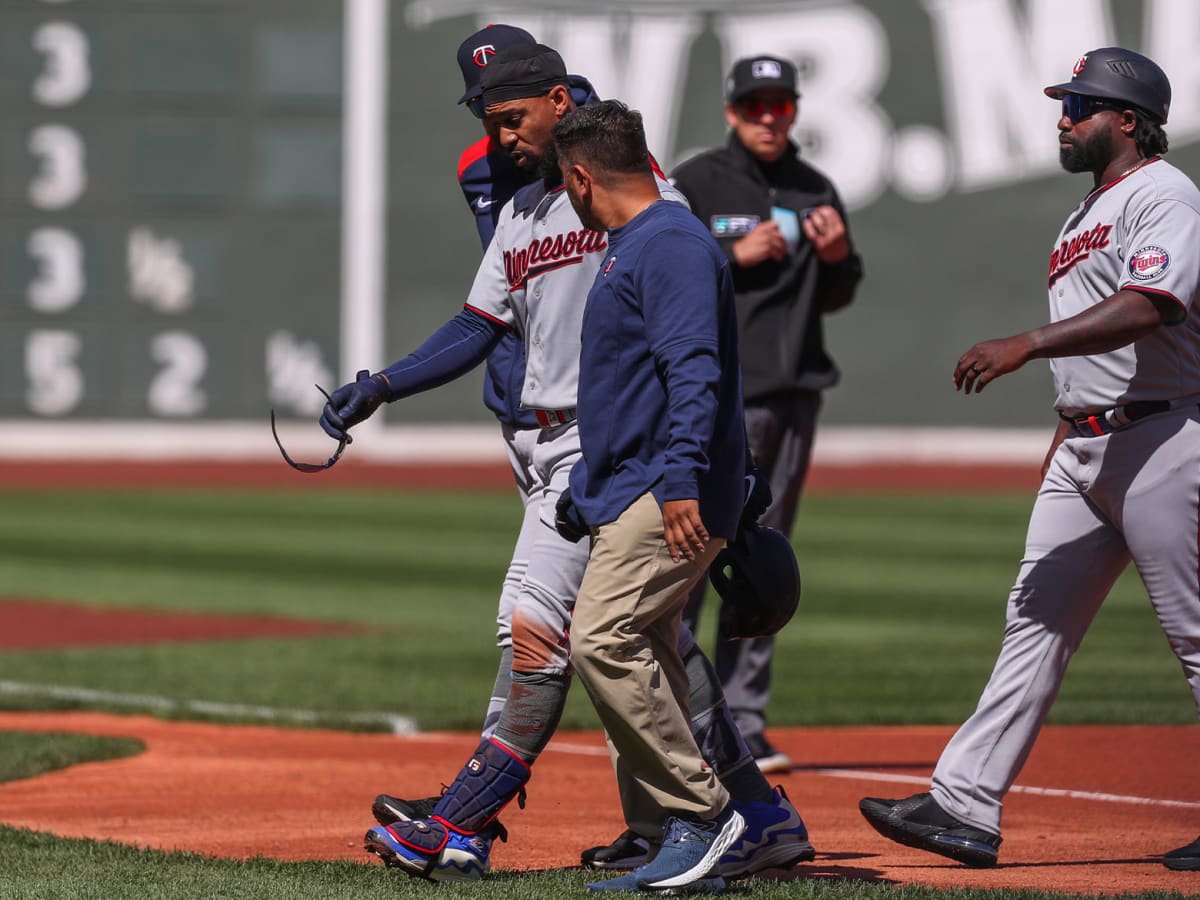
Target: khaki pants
{"points": [[624, 648]]}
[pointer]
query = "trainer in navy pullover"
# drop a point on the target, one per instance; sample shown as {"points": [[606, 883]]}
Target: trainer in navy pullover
{"points": [[660, 389]]}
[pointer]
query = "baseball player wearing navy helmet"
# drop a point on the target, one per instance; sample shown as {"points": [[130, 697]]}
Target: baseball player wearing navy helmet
{"points": [[1121, 480]]}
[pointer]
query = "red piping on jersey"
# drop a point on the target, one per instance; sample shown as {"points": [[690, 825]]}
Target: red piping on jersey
{"points": [[473, 154], [480, 312], [654, 165]]}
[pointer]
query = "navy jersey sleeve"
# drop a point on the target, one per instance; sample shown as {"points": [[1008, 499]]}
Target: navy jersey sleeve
{"points": [[453, 350]]}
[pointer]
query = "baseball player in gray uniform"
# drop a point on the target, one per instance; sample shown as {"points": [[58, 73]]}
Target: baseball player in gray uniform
{"points": [[1121, 480], [533, 280]]}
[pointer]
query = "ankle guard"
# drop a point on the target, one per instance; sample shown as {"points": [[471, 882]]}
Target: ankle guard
{"points": [[486, 784]]}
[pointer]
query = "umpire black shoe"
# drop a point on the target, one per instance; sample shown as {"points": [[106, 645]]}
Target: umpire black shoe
{"points": [[767, 757], [629, 851], [1185, 859], [918, 821]]}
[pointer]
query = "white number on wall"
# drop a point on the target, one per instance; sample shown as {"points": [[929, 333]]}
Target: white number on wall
{"points": [[66, 75], [55, 384], [175, 390], [62, 176], [59, 283]]}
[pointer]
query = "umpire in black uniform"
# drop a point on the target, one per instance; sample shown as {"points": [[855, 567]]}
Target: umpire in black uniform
{"points": [[782, 225]]}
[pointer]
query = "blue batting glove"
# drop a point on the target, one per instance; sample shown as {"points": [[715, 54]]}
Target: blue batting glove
{"points": [[353, 403]]}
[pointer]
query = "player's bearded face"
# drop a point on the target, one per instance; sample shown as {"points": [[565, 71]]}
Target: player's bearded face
{"points": [[524, 129], [1085, 149]]}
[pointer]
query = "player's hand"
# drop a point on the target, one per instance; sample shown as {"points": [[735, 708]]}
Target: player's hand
{"points": [[683, 531], [826, 231], [765, 242], [353, 403], [567, 520], [985, 362]]}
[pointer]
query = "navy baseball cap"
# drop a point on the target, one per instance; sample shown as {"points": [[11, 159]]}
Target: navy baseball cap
{"points": [[477, 51], [755, 72]]}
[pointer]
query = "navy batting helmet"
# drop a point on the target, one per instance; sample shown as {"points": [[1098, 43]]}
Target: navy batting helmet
{"points": [[758, 579], [1114, 73]]}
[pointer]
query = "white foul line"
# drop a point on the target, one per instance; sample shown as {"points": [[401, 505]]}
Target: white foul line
{"points": [[396, 724], [1017, 789]]}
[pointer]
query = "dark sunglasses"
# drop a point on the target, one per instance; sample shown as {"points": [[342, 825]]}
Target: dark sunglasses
{"points": [[1077, 107], [308, 468], [476, 105], [756, 108]]}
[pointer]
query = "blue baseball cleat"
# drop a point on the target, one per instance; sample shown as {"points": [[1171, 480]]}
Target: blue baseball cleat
{"points": [[426, 848], [775, 838]]}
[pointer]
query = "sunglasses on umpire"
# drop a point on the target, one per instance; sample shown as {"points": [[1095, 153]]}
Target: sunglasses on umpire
{"points": [[1078, 107], [755, 108]]}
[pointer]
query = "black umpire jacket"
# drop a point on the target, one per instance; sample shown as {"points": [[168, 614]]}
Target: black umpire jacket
{"points": [[779, 304]]}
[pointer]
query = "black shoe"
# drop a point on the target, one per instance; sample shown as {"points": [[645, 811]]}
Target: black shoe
{"points": [[1185, 859], [388, 809], [918, 821], [629, 851], [769, 758]]}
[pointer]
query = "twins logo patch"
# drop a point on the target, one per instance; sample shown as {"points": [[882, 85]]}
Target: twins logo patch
{"points": [[1148, 263], [732, 225]]}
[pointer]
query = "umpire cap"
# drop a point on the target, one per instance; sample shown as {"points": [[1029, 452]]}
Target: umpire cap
{"points": [[758, 579], [1114, 73]]}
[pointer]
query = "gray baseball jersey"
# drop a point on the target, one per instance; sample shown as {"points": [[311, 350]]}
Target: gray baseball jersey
{"points": [[541, 249], [1111, 494], [1140, 232]]}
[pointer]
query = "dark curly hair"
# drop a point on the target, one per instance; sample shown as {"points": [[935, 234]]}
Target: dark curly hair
{"points": [[1149, 136]]}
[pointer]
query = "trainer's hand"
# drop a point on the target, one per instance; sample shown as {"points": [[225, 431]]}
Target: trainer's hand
{"points": [[758, 498], [765, 242], [987, 361], [353, 403], [567, 520], [683, 531]]}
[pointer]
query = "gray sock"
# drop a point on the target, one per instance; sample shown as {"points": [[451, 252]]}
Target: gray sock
{"points": [[531, 715], [499, 692], [717, 736]]}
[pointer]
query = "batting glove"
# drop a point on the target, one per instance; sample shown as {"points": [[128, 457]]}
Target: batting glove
{"points": [[567, 520], [353, 403]]}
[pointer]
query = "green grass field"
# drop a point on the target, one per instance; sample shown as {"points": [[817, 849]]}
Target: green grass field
{"points": [[899, 623]]}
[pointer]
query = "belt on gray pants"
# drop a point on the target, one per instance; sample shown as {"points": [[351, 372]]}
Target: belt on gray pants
{"points": [[547, 417], [1116, 418]]}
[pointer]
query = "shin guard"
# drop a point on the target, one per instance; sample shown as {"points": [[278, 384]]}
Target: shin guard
{"points": [[487, 783]]}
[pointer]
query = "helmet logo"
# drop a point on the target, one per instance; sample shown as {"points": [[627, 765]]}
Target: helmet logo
{"points": [[481, 55], [1079, 66]]}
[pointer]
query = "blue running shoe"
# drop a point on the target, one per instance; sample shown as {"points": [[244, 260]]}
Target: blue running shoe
{"points": [[426, 848], [690, 850], [775, 838]]}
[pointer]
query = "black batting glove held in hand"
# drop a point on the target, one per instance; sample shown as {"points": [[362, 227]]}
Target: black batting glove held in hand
{"points": [[353, 403], [758, 497], [567, 520]]}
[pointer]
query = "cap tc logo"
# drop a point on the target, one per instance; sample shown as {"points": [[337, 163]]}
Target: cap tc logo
{"points": [[1079, 66], [766, 68], [481, 55]]}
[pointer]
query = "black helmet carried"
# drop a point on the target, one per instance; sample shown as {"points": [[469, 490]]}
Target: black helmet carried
{"points": [[758, 579], [1114, 73]]}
